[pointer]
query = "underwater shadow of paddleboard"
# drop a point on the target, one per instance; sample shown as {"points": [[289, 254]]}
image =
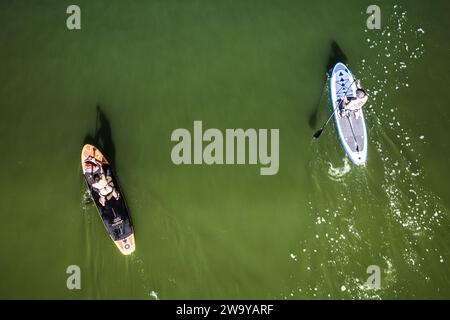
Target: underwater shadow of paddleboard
{"points": [[103, 136], [312, 119], [336, 55]]}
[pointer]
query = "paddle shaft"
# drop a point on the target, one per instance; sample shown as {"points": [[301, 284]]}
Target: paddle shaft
{"points": [[353, 133], [331, 116], [323, 89]]}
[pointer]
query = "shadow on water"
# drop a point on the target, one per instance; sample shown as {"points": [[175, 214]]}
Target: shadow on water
{"points": [[103, 136], [312, 119], [336, 55]]}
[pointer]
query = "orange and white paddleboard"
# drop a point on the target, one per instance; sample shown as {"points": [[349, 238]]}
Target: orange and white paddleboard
{"points": [[108, 198]]}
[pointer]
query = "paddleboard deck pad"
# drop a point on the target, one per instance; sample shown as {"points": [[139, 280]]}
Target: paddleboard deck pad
{"points": [[350, 126], [113, 213]]}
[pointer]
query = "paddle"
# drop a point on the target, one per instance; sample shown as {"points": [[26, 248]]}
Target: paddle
{"points": [[323, 89], [317, 134]]}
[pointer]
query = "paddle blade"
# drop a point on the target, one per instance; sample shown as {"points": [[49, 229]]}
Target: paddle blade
{"points": [[317, 134]]}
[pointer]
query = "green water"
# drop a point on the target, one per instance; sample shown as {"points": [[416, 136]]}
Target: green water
{"points": [[308, 232]]}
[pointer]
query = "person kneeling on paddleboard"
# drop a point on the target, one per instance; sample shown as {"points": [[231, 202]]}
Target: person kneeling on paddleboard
{"points": [[354, 104], [104, 187]]}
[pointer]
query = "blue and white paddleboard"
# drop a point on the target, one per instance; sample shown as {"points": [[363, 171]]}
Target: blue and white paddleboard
{"points": [[350, 127]]}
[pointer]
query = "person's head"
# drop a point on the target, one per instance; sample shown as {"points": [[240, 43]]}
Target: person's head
{"points": [[360, 93], [96, 177]]}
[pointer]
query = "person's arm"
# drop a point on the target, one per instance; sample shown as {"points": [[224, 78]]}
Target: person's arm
{"points": [[364, 100]]}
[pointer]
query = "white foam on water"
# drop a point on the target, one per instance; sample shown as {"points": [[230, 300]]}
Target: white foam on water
{"points": [[154, 295], [358, 288], [86, 201], [336, 173]]}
